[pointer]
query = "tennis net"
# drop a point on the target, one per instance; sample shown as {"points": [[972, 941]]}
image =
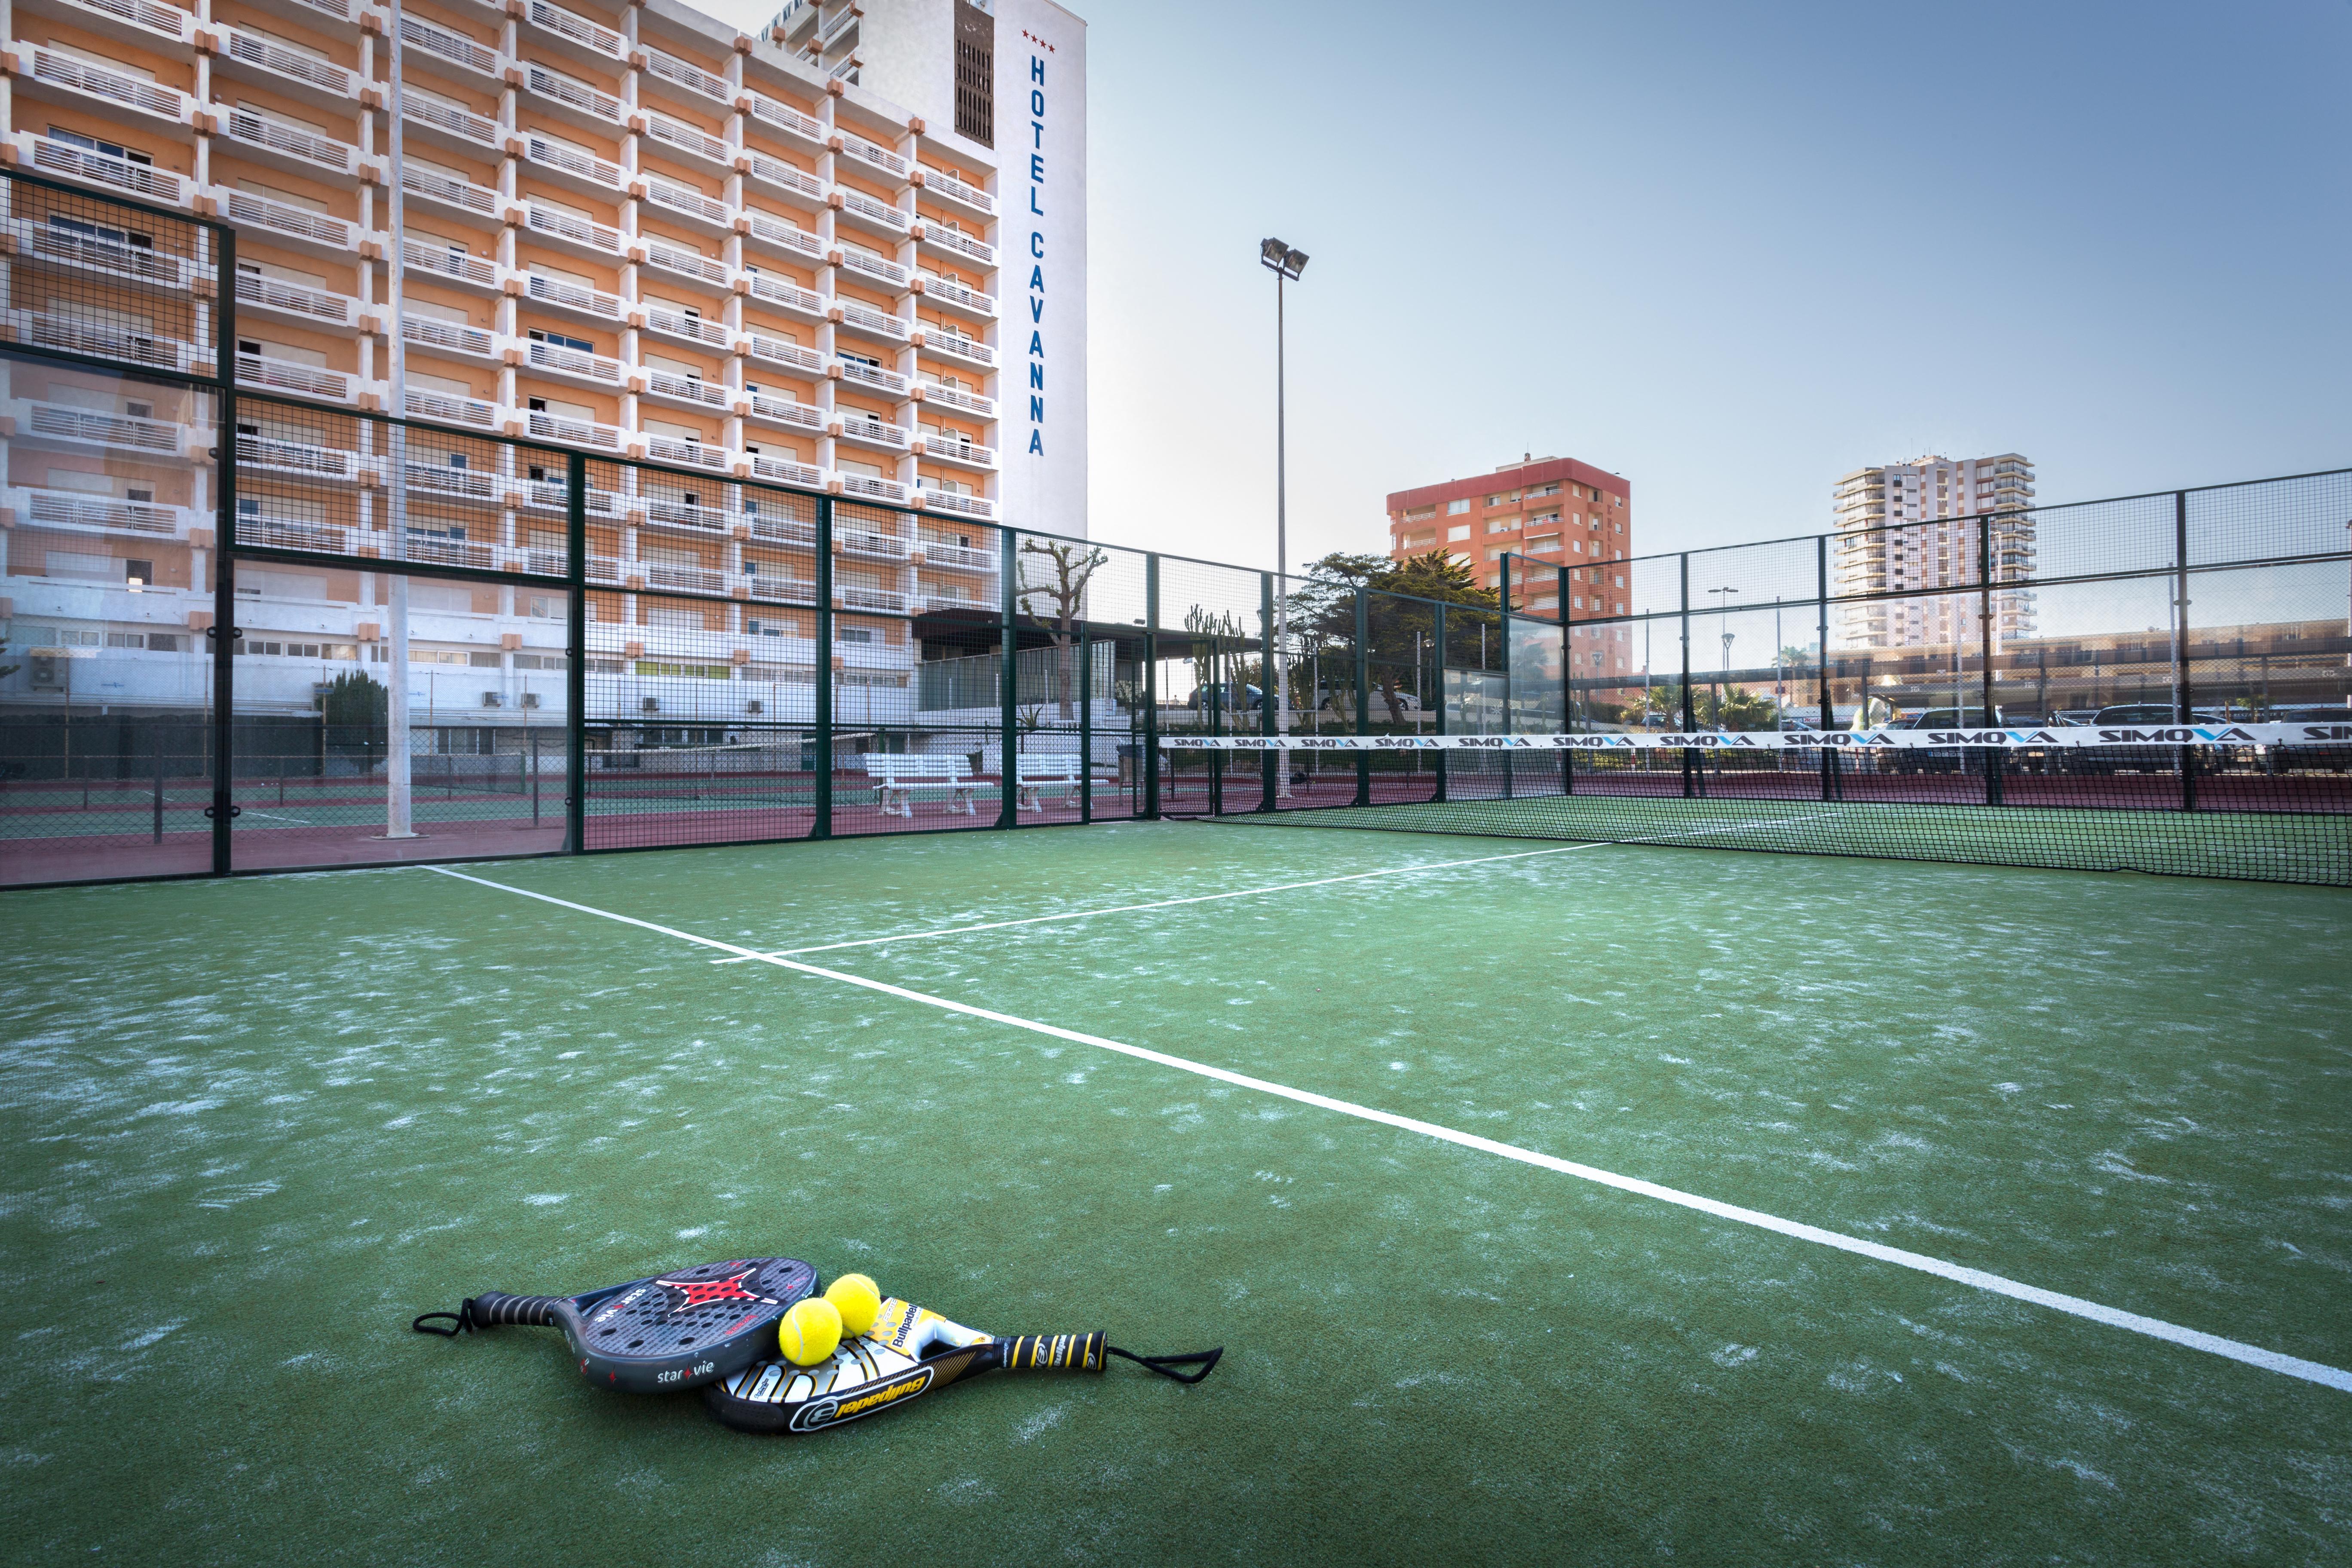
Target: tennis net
{"points": [[2269, 801]]}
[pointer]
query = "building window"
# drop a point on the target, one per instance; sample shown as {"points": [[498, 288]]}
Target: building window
{"points": [[1459, 530], [1456, 508], [975, 73]]}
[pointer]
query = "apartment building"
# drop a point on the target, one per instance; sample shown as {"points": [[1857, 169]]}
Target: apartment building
{"points": [[846, 255], [1555, 511], [1912, 528]]}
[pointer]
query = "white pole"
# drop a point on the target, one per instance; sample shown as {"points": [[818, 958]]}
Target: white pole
{"points": [[1281, 554], [396, 816]]}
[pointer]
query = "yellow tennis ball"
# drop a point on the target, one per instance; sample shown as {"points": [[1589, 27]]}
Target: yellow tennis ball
{"points": [[809, 1331], [857, 1300]]}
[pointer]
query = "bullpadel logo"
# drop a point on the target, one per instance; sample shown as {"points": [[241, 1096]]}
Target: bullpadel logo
{"points": [[859, 1402]]}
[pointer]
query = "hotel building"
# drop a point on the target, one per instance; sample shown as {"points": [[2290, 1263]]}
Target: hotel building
{"points": [[1903, 528], [845, 255]]}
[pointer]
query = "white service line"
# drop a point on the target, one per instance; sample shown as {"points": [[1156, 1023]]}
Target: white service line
{"points": [[2154, 1328], [1161, 903]]}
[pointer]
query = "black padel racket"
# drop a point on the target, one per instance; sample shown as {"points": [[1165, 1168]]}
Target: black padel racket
{"points": [[908, 1352], [675, 1331]]}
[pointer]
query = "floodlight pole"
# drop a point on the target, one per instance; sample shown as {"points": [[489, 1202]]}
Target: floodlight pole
{"points": [[1286, 264]]}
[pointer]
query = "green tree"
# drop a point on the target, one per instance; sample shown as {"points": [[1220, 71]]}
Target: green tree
{"points": [[1399, 618]]}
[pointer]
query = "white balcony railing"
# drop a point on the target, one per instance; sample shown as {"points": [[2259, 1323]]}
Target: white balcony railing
{"points": [[586, 166], [578, 29], [455, 337], [445, 261], [873, 211], [785, 411], [443, 45], [553, 359], [858, 150], [859, 374], [777, 351], [71, 508], [100, 338], [687, 139], [955, 449], [690, 389], [673, 513], [299, 457], [111, 259], [787, 238], [962, 244], [947, 185], [855, 596], [258, 129], [873, 545], [63, 160], [692, 204], [286, 533], [949, 292], [692, 329], [542, 427], [251, 49], [573, 93], [78, 77], [786, 176], [582, 232], [938, 553], [284, 220], [957, 346], [312, 305], [458, 484], [857, 313], [875, 267], [687, 264], [461, 123], [956, 397], [63, 421], [786, 295], [573, 297], [775, 588], [692, 77], [784, 117], [163, 21], [262, 372], [874, 432], [843, 23], [785, 471], [687, 579], [687, 453], [450, 191]]}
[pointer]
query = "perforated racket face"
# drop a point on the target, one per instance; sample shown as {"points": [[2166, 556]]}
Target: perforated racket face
{"points": [[687, 1326]]}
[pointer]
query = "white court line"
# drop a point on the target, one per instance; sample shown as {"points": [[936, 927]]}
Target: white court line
{"points": [[2154, 1328], [1161, 903]]}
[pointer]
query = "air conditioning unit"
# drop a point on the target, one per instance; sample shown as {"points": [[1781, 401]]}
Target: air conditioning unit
{"points": [[755, 706], [492, 700], [530, 699], [650, 705]]}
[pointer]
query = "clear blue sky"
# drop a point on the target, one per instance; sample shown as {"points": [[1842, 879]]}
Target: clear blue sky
{"points": [[1729, 251]]}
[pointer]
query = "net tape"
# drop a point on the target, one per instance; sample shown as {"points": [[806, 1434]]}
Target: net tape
{"points": [[2063, 736]]}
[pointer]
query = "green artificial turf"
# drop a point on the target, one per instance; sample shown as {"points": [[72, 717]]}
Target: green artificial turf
{"points": [[250, 1127]]}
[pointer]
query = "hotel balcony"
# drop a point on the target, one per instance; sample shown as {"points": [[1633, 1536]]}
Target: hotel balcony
{"points": [[285, 224], [691, 516], [477, 273], [267, 454], [688, 205], [260, 139], [576, 365], [688, 454], [568, 33], [868, 213], [696, 330], [783, 117], [440, 46], [971, 350], [553, 497], [868, 432], [950, 242], [252, 57], [476, 207], [858, 316], [108, 263], [862, 153], [682, 82], [543, 426], [775, 587], [969, 403], [786, 296], [858, 597], [475, 486], [259, 296], [77, 512], [962, 557], [684, 266], [447, 408], [61, 161], [568, 167], [44, 73], [62, 424], [450, 340], [571, 100], [664, 134], [579, 237], [952, 192], [956, 297], [444, 124], [259, 373], [783, 472], [785, 414], [882, 542], [687, 391], [874, 269], [795, 184], [790, 356], [100, 338], [788, 240], [286, 533], [954, 449], [684, 579], [872, 377], [166, 29], [860, 487], [559, 298], [838, 31]]}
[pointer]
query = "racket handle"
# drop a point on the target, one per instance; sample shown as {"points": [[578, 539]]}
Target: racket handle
{"points": [[1055, 1352], [492, 1309]]}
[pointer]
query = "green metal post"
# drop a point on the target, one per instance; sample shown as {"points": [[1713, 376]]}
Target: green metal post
{"points": [[821, 714], [1008, 807], [1363, 695], [1437, 671], [575, 657], [1151, 686], [1269, 777]]}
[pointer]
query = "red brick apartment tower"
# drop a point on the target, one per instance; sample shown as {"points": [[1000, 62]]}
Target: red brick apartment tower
{"points": [[1555, 511]]}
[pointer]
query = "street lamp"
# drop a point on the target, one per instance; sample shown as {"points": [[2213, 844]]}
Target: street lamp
{"points": [[1727, 634], [1286, 264]]}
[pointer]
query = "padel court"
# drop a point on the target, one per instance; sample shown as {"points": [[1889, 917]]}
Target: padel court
{"points": [[1573, 1201]]}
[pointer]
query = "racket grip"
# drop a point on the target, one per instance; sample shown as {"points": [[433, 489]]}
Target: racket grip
{"points": [[1055, 1352], [492, 1309]]}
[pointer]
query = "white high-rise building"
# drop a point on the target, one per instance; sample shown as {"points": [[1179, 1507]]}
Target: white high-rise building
{"points": [[1913, 528]]}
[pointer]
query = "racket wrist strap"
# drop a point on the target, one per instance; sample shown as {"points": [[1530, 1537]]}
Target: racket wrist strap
{"points": [[1170, 1366], [459, 1321]]}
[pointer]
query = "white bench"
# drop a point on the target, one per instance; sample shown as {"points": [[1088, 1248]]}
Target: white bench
{"points": [[899, 776], [1034, 775]]}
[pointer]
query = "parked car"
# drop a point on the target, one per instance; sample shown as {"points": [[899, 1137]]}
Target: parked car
{"points": [[2329, 757], [2108, 760], [1939, 759], [1233, 697]]}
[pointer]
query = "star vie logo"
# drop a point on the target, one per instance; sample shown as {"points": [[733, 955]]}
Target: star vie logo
{"points": [[700, 1293]]}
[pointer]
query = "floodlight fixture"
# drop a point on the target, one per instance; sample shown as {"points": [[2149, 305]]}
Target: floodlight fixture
{"points": [[1276, 254]]}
